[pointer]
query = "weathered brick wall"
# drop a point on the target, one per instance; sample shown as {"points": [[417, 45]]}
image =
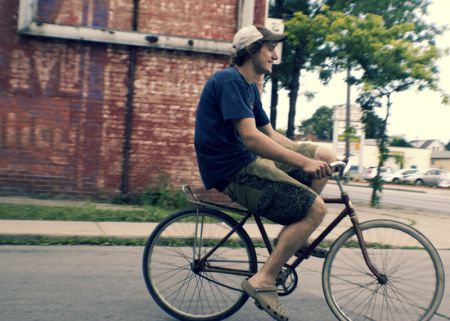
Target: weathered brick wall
{"points": [[205, 19], [63, 103]]}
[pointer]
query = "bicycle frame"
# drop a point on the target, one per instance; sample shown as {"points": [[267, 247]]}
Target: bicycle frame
{"points": [[347, 211]]}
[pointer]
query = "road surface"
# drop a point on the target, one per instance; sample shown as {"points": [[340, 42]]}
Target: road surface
{"points": [[61, 283], [429, 199]]}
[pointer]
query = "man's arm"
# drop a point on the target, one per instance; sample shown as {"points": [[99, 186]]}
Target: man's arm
{"points": [[260, 143], [276, 136]]}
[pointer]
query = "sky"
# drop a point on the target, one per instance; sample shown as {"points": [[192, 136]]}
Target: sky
{"points": [[414, 115]]}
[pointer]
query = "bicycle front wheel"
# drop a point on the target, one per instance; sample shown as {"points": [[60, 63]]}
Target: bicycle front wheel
{"points": [[414, 283], [181, 286]]}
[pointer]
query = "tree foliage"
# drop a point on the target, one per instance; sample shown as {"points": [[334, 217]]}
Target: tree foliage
{"points": [[387, 41], [297, 55], [313, 24], [320, 124], [399, 142], [447, 147], [373, 125], [392, 62]]}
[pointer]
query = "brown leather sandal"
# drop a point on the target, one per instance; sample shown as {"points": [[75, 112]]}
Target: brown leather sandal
{"points": [[266, 299]]}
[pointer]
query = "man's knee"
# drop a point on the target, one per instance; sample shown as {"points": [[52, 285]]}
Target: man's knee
{"points": [[325, 154], [318, 211]]}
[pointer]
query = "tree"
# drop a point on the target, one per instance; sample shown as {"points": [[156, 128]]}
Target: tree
{"points": [[309, 51], [399, 142], [447, 147], [320, 124], [295, 57], [303, 51], [390, 57], [395, 65], [373, 124]]}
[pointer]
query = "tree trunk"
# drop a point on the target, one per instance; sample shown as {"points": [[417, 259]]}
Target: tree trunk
{"points": [[293, 94], [377, 183], [274, 102]]}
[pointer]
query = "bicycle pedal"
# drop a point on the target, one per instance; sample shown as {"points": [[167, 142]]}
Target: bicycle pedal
{"points": [[258, 305]]}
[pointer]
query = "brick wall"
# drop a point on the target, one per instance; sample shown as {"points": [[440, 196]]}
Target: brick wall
{"points": [[63, 103]]}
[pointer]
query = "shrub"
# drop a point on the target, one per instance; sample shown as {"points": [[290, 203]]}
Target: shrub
{"points": [[156, 194]]}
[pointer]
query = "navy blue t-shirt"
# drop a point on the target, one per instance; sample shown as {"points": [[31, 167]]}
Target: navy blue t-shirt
{"points": [[220, 150]]}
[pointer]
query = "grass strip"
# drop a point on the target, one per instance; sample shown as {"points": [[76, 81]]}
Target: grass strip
{"points": [[69, 240], [182, 242], [88, 213]]}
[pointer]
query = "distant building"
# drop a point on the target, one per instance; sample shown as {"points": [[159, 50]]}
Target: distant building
{"points": [[357, 138], [441, 159], [435, 145]]}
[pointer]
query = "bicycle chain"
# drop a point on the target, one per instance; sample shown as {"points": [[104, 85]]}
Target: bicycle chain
{"points": [[287, 291], [221, 284], [230, 261]]}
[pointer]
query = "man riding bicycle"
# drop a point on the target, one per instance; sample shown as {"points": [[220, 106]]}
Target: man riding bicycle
{"points": [[240, 154]]}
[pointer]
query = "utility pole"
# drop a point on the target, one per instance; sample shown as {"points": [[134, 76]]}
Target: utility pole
{"points": [[347, 115]]}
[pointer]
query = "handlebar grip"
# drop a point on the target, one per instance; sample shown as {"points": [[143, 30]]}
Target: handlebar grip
{"points": [[338, 165], [343, 167]]}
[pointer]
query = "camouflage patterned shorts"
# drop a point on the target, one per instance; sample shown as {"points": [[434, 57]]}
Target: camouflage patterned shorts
{"points": [[274, 190]]}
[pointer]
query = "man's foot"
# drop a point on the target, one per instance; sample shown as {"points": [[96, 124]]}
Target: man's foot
{"points": [[267, 300], [317, 252]]}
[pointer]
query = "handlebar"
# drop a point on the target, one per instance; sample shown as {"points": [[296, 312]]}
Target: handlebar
{"points": [[343, 167]]}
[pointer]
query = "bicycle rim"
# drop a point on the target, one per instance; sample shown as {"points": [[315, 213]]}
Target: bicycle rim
{"points": [[414, 271], [168, 271]]}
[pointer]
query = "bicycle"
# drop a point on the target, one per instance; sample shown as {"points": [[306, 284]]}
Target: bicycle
{"points": [[379, 270]]}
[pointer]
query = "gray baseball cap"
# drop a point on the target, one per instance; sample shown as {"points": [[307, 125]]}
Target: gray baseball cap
{"points": [[252, 33]]}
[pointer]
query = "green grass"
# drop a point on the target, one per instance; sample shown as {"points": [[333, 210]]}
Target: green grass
{"points": [[69, 240], [89, 213]]}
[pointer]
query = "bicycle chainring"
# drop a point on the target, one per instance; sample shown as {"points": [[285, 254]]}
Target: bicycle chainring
{"points": [[286, 281]]}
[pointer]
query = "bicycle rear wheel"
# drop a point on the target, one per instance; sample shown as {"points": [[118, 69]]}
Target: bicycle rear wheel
{"points": [[414, 271], [182, 288]]}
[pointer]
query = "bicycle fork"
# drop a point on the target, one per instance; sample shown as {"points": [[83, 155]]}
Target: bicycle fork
{"points": [[349, 210], [382, 279]]}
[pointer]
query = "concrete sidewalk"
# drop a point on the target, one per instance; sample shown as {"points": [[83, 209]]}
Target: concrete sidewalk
{"points": [[435, 226]]}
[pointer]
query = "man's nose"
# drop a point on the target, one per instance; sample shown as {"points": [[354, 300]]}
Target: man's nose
{"points": [[274, 55]]}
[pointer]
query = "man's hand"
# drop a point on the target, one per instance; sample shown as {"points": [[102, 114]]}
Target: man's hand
{"points": [[317, 168]]}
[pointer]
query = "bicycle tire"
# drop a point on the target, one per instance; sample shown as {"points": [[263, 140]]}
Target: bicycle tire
{"points": [[414, 271], [167, 265]]}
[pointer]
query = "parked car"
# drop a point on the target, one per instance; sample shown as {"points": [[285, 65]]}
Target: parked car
{"points": [[371, 172], [354, 173], [431, 177], [398, 176], [444, 180]]}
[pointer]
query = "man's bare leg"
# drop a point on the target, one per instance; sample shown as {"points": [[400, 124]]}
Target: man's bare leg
{"points": [[290, 240], [293, 236], [326, 155]]}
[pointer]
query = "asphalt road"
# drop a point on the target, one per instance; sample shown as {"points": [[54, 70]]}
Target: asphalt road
{"points": [[429, 199], [105, 283]]}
